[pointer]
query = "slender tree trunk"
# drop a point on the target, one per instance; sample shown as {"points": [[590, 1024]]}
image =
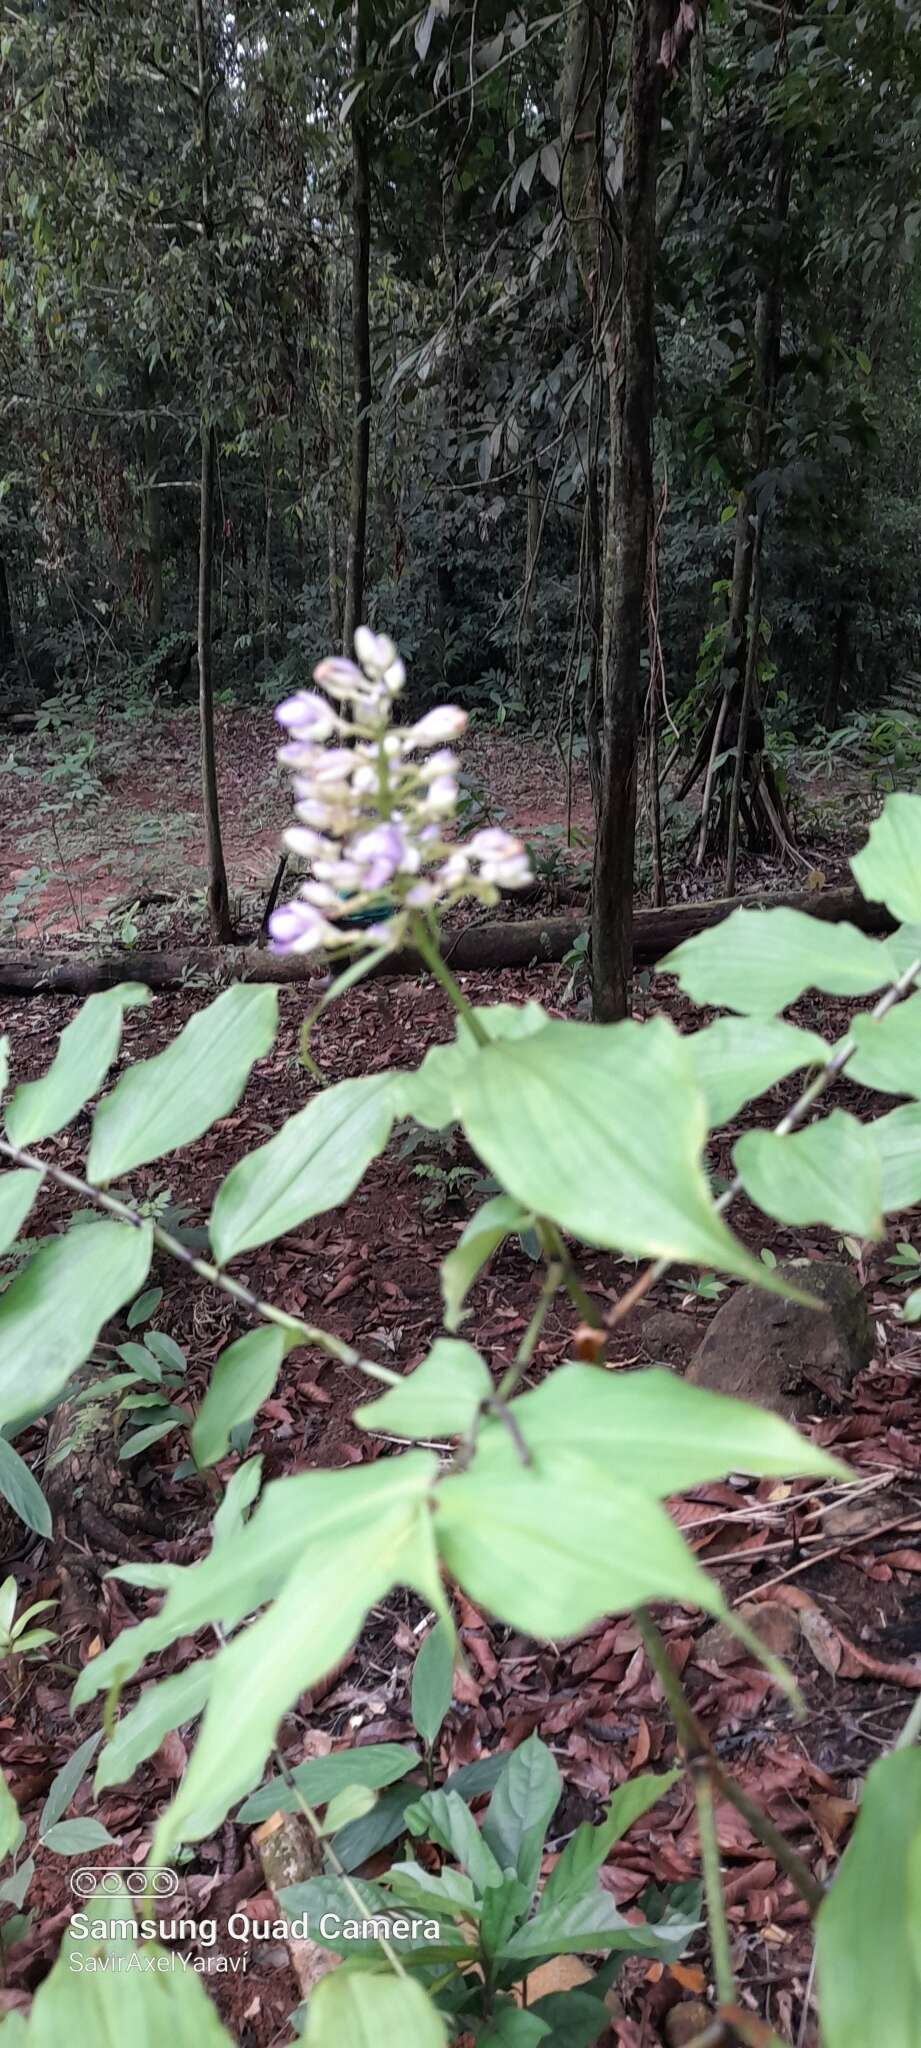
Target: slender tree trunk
{"points": [[219, 917], [152, 517], [751, 664], [658, 28], [361, 346], [267, 572], [839, 667], [7, 633]]}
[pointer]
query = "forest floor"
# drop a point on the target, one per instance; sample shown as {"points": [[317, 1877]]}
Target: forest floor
{"points": [[836, 1572]]}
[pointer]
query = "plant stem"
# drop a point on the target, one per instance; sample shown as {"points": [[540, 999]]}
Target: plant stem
{"points": [[313, 1822], [525, 1352], [307, 1333], [427, 947], [723, 1976], [696, 1743]]}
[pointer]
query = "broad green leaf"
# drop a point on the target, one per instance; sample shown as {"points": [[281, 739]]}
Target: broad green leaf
{"points": [[76, 1837], [145, 1438], [82, 2001], [451, 1893], [241, 1380], [166, 1350], [440, 1398], [869, 1964], [593, 1922], [352, 1803], [24, 1494], [11, 1828], [888, 870], [323, 1777], [521, 1809], [356, 1844], [828, 1173], [577, 1870], [163, 1103], [482, 1236], [433, 1682], [602, 1129], [552, 1546], [314, 1163], [52, 1314], [142, 1309], [911, 1307], [897, 1141], [888, 1053], [513, 2028], [445, 1818], [67, 1782], [18, 1192], [758, 961], [576, 2019], [657, 1434], [736, 1059], [361, 2010], [382, 1538], [139, 1733], [428, 1095], [318, 1897], [85, 1053], [239, 1494]]}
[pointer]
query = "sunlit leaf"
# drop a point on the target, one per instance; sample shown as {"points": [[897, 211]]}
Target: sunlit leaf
{"points": [[439, 1399], [828, 1173], [53, 1312], [736, 1059], [241, 1379], [758, 961], [85, 1053], [868, 1950], [165, 1102], [888, 869], [314, 1162]]}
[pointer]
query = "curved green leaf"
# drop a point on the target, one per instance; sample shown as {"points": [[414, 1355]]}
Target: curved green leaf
{"points": [[737, 1058], [52, 1314], [85, 1053], [482, 1236], [888, 868], [18, 1193], [139, 1733], [897, 1140], [166, 1102], [96, 1993], [867, 1946], [24, 1494], [440, 1398], [758, 961], [888, 1054], [829, 1173], [316, 1161], [602, 1129], [242, 1378]]}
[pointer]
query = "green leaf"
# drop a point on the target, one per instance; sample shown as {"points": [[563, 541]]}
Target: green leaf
{"points": [[657, 1434], [578, 1867], [433, 1682], [867, 1948], [445, 1819], [737, 1058], [140, 1732], [320, 1896], [758, 961], [381, 1536], [428, 1094], [482, 1236], [576, 2019], [160, 2008], [553, 1546], [911, 1307], [451, 1893], [166, 1351], [142, 1441], [24, 1494], [356, 1844], [145, 1306], [85, 1053], [67, 1782], [18, 1192], [52, 1314], [352, 1803], [11, 1827], [889, 868], [829, 1173], [888, 1053], [239, 1494], [355, 2009], [897, 1141], [439, 1399], [602, 1129], [168, 1101], [521, 1809], [315, 1162], [323, 1777], [581, 1926], [76, 1837], [241, 1380], [513, 2028]]}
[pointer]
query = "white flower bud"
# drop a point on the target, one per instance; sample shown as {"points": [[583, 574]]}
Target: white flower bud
{"points": [[445, 722]]}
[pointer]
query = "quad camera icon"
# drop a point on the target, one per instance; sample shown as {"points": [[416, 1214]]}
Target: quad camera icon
{"points": [[123, 1880]]}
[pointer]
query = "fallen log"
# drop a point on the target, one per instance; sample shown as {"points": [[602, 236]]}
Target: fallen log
{"points": [[478, 947]]}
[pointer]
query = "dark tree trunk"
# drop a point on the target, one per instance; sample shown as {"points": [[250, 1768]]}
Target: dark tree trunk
{"points": [[361, 346], [7, 633], [153, 518], [838, 677]]}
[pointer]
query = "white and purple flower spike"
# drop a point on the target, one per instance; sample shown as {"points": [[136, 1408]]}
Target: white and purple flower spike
{"points": [[299, 928], [375, 651], [308, 717], [446, 722]]}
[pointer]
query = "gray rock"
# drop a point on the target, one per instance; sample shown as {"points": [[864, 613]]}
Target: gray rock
{"points": [[796, 1361]]}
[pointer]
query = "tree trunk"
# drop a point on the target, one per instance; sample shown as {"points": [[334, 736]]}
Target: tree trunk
{"points": [[218, 900], [267, 572], [361, 347], [838, 676], [7, 634], [153, 522]]}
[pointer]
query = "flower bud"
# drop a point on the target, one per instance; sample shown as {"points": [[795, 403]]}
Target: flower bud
{"points": [[445, 722]]}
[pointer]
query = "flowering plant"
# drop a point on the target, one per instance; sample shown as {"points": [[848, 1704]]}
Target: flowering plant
{"points": [[373, 801]]}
